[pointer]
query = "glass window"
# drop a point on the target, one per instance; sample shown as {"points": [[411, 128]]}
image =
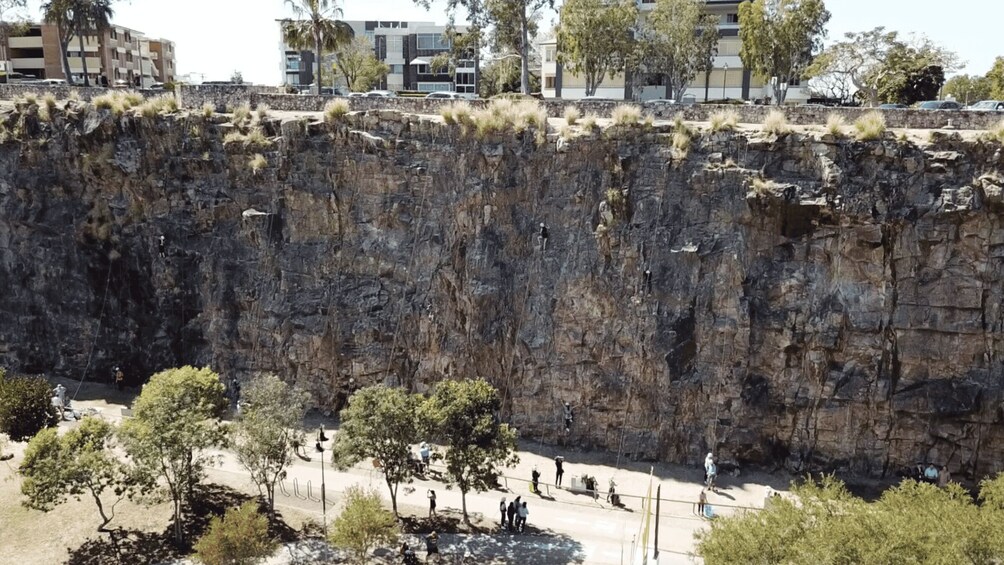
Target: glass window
{"points": [[433, 41], [548, 82], [549, 53], [434, 86], [397, 69], [395, 45], [732, 18]]}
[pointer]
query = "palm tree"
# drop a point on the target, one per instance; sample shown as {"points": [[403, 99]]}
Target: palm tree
{"points": [[90, 16], [316, 27], [60, 14]]}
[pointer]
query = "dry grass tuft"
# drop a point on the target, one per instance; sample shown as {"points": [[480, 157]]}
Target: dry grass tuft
{"points": [[997, 132], [626, 115], [724, 120], [572, 115], [835, 124], [589, 122], [776, 123], [257, 163], [335, 110], [208, 110], [456, 113], [262, 111], [47, 109], [870, 126], [241, 114]]}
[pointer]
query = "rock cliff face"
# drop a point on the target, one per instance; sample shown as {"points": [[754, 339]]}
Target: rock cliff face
{"points": [[813, 303]]}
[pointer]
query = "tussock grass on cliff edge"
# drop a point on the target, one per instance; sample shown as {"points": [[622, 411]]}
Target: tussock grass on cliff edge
{"points": [[870, 126], [336, 110], [625, 115], [724, 120], [835, 125], [572, 115], [776, 123], [997, 132], [503, 115]]}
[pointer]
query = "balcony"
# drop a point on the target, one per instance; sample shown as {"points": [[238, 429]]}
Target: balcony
{"points": [[26, 42], [28, 63], [90, 44]]}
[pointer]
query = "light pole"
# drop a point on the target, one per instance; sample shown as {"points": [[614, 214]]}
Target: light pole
{"points": [[324, 501], [725, 79]]}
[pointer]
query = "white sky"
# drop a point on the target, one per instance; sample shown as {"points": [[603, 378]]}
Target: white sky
{"points": [[216, 37]]}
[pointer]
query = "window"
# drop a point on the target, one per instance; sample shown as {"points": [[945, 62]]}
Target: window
{"points": [[549, 82], [370, 37], [434, 86], [465, 78], [433, 41], [292, 65], [549, 54], [395, 46], [114, 34], [732, 19], [397, 69]]}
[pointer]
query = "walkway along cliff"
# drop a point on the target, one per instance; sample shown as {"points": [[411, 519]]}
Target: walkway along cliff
{"points": [[812, 302]]}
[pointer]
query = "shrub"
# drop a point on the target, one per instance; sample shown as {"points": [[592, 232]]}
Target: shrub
{"points": [[257, 163], [724, 120], [242, 114], [131, 99], [870, 126], [166, 103], [47, 110], [363, 523], [456, 112], [572, 115], [335, 110], [103, 102], [776, 123], [25, 406], [256, 138], [262, 111], [503, 114], [565, 132], [208, 110], [625, 115], [589, 122], [835, 124], [681, 141], [239, 538], [30, 98], [649, 121], [997, 131]]}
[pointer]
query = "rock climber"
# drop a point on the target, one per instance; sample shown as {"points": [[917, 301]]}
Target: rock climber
{"points": [[543, 237], [568, 417], [119, 378], [160, 247], [648, 281]]}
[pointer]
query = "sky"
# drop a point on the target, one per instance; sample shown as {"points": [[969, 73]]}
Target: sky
{"points": [[217, 37]]}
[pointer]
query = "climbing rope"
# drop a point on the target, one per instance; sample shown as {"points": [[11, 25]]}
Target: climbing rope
{"points": [[97, 333]]}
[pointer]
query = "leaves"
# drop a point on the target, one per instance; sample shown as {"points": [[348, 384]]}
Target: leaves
{"points": [[25, 406], [317, 28], [239, 538], [595, 38], [669, 46], [363, 523], [358, 65]]}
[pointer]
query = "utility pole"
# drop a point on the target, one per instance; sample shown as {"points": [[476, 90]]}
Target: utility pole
{"points": [[324, 501], [658, 500]]}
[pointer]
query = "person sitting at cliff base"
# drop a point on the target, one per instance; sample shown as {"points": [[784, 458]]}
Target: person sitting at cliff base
{"points": [[931, 474]]}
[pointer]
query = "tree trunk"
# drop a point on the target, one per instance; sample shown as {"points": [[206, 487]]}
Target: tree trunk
{"points": [[62, 54], [178, 538], [83, 57], [393, 495], [317, 61], [524, 75], [463, 505], [101, 510], [270, 493]]}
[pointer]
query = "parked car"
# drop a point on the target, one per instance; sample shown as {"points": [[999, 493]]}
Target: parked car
{"points": [[357, 95], [939, 105], [157, 86], [892, 106], [16, 77], [122, 83], [988, 106], [445, 95], [660, 101], [595, 98], [52, 82], [381, 94]]}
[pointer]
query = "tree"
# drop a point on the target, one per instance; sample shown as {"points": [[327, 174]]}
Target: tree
{"points": [[779, 38], [77, 463], [25, 406], [358, 65], [498, 76], [175, 419], [516, 17], [264, 436], [920, 84], [316, 27], [670, 47], [968, 88], [363, 523], [595, 38], [89, 17], [911, 72], [824, 523], [237, 77], [996, 78], [382, 423], [463, 416], [239, 538]]}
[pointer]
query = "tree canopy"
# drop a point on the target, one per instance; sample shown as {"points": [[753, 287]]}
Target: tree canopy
{"points": [[316, 27], [239, 538], [175, 420], [670, 47], [463, 415], [968, 88], [518, 16], [779, 38], [382, 423], [363, 523], [357, 64], [823, 523], [269, 426], [25, 406], [595, 38]]}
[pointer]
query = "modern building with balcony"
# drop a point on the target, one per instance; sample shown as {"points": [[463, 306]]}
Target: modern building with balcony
{"points": [[408, 48], [728, 79], [119, 55]]}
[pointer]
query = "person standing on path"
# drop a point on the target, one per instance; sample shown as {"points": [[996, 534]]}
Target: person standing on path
{"points": [[119, 378], [510, 512], [535, 480], [559, 470], [432, 547], [502, 512], [523, 513], [432, 503], [701, 501]]}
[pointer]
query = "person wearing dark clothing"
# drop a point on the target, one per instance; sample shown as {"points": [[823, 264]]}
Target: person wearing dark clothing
{"points": [[543, 237], [535, 479], [408, 556], [320, 434], [502, 512], [160, 247], [119, 378], [510, 512], [431, 547], [516, 505], [559, 470], [569, 417], [432, 503]]}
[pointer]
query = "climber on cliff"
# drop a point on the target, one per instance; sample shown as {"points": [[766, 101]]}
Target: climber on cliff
{"points": [[543, 237], [119, 378], [648, 281], [160, 247], [568, 417]]}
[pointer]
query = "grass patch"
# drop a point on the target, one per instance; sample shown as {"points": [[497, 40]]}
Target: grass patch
{"points": [[456, 113], [517, 115], [870, 126], [112, 102], [253, 139], [681, 141], [589, 122], [649, 121], [257, 163], [208, 110], [625, 115], [262, 111], [241, 114], [763, 187], [572, 115], [997, 132], [724, 120], [336, 110], [776, 123], [131, 99], [47, 109], [835, 124]]}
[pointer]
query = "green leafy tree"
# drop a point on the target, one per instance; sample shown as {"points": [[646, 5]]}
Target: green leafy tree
{"points": [[316, 27], [89, 17], [357, 64], [60, 14], [923, 83], [80, 462], [968, 88], [175, 420], [595, 38], [996, 78], [239, 538], [25, 406], [269, 426], [670, 47], [363, 524], [463, 416], [779, 38], [912, 72], [516, 22], [382, 423]]}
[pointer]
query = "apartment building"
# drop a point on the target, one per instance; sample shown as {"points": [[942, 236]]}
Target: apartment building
{"points": [[729, 79], [118, 55], [406, 47]]}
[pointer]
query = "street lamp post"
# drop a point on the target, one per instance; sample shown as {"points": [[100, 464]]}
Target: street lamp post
{"points": [[725, 79], [324, 500]]}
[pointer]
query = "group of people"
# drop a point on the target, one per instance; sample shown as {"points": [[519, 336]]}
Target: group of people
{"points": [[933, 474], [513, 515], [431, 549]]}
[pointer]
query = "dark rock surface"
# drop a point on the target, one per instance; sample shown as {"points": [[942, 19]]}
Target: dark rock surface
{"points": [[814, 303]]}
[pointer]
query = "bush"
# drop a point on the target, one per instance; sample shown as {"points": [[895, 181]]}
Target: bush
{"points": [[363, 523], [208, 110], [835, 124], [589, 122], [776, 123], [25, 406], [47, 110], [626, 115], [503, 114], [681, 141], [241, 114], [724, 120], [572, 115], [256, 138], [239, 538], [997, 132], [131, 99], [456, 113], [257, 163], [335, 110], [870, 126]]}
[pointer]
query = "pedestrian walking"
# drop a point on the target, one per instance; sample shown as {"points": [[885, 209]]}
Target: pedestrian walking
{"points": [[432, 503], [502, 508], [523, 513], [701, 501], [320, 434], [119, 378], [432, 547], [510, 513], [425, 454], [535, 480], [559, 470]]}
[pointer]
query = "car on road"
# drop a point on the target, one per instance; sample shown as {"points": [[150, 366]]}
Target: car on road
{"points": [[939, 105], [381, 94], [357, 95], [988, 106], [445, 95], [892, 106]]}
